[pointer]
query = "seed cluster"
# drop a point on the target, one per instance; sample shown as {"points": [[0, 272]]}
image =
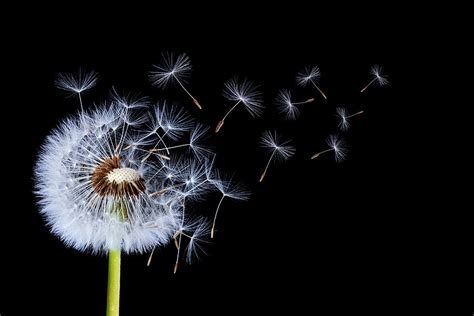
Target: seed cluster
{"points": [[109, 179]]}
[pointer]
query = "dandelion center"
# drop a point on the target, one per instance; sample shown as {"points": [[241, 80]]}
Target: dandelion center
{"points": [[110, 179], [119, 175]]}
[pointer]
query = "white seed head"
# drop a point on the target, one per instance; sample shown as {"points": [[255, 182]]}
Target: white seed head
{"points": [[97, 193]]}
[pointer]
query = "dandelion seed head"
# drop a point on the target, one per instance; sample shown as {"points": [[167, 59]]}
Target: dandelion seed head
{"points": [[100, 188]]}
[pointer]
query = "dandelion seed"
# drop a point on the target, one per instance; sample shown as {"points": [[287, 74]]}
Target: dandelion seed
{"points": [[288, 107], [344, 118], [337, 145], [310, 75], [228, 189], [173, 69], [280, 150], [244, 92], [378, 78], [76, 83], [195, 248]]}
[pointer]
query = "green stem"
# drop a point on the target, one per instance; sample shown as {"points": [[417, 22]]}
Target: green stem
{"points": [[113, 285]]}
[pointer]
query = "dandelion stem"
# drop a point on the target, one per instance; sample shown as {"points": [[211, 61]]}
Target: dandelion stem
{"points": [[221, 122], [321, 152], [352, 115], [266, 167], [303, 102], [215, 215], [320, 91], [193, 98], [371, 81], [113, 285]]}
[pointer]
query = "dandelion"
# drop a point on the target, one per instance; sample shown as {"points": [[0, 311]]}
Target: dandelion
{"points": [[76, 83], [376, 73], [228, 189], [344, 118], [244, 92], [310, 75], [337, 145], [173, 69], [280, 150], [288, 107], [110, 181]]}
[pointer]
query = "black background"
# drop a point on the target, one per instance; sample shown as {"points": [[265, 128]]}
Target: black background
{"points": [[316, 236]]}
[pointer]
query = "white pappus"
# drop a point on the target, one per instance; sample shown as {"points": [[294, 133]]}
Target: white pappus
{"points": [[76, 83]]}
